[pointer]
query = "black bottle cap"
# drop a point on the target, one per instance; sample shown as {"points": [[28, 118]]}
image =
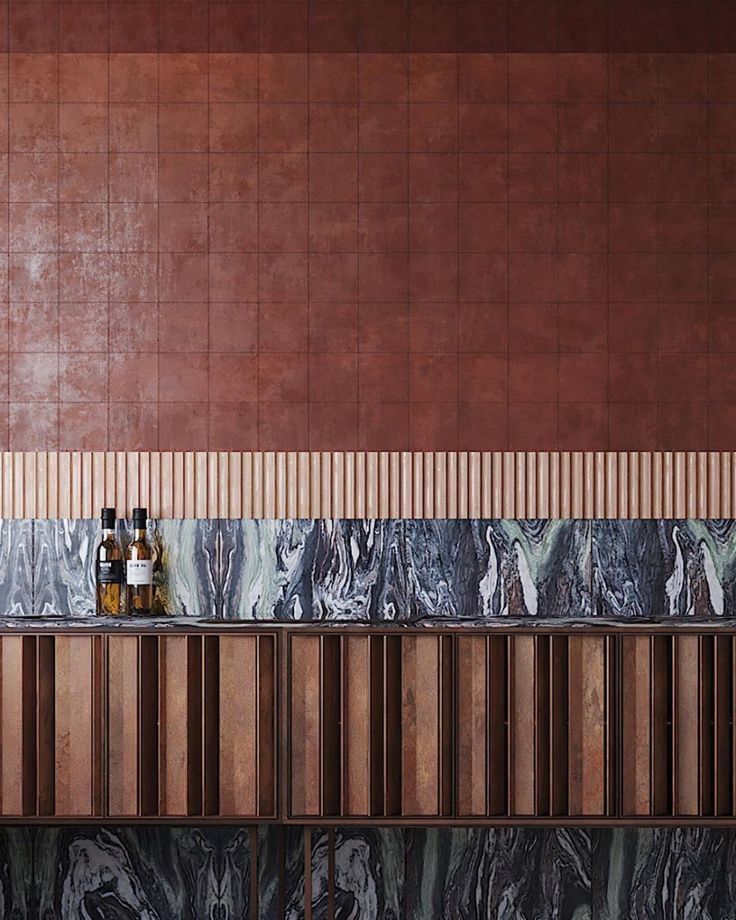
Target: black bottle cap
{"points": [[108, 518], [140, 518]]}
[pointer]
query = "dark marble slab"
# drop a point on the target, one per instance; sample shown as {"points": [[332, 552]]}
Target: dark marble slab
{"points": [[665, 568]]}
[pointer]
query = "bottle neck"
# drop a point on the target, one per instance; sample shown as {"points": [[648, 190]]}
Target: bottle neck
{"points": [[139, 533], [108, 533]]}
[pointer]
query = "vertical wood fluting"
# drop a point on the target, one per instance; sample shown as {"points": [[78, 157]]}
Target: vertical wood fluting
{"points": [[472, 725], [420, 725], [123, 725], [587, 725], [305, 725], [356, 721], [238, 725], [523, 725]]}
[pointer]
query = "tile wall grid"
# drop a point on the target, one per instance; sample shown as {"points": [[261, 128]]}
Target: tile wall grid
{"points": [[380, 873], [389, 570], [239, 246]]}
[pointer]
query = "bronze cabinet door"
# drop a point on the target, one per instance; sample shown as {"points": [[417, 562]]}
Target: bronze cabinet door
{"points": [[51, 751], [191, 725]]}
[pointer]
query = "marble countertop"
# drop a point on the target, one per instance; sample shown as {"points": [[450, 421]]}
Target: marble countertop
{"points": [[535, 624]]}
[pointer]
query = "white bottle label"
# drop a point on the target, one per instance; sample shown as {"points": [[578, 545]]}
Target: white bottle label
{"points": [[139, 572]]}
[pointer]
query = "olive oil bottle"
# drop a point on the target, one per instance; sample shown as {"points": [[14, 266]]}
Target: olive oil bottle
{"points": [[139, 568], [109, 567]]}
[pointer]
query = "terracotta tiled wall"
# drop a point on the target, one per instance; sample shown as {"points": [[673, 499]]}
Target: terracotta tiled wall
{"points": [[340, 226]]}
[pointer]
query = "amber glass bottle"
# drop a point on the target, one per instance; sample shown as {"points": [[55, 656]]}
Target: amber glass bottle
{"points": [[109, 568], [139, 568]]}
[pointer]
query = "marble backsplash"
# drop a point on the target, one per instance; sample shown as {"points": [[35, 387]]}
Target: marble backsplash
{"points": [[389, 570], [170, 873]]}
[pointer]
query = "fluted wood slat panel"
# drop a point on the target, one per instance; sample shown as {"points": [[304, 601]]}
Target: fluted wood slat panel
{"points": [[344, 484]]}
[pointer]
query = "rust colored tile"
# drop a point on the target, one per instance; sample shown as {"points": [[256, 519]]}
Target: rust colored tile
{"points": [[433, 126], [532, 177], [34, 327], [133, 426], [133, 177], [333, 277], [34, 377], [721, 76], [233, 126], [83, 227], [83, 127], [583, 127], [333, 228], [286, 176], [182, 227], [182, 426], [333, 377], [383, 327], [333, 426], [482, 177], [683, 380], [183, 277], [283, 77], [34, 276], [233, 327], [582, 378], [533, 27], [83, 327], [182, 27], [283, 276], [582, 227], [432, 425], [433, 77], [333, 77], [233, 227], [684, 276], [333, 327], [33, 426], [432, 277], [532, 277], [582, 26], [282, 227], [721, 426], [134, 127], [182, 127], [139, 370], [433, 327], [383, 78], [83, 426], [84, 276], [632, 227], [383, 177], [383, 426], [233, 29], [133, 77], [631, 426], [333, 127], [432, 227], [284, 27], [682, 426], [33, 127], [383, 377], [632, 377], [583, 426], [433, 177], [333, 26], [229, 277], [722, 379], [34, 227], [482, 327], [533, 327], [233, 426], [432, 27], [234, 77], [282, 127], [683, 327], [83, 78], [633, 327], [632, 276], [532, 425], [532, 126], [583, 327], [485, 126], [483, 378], [432, 376], [133, 326], [483, 77], [282, 327], [533, 377], [532, 227], [182, 327], [133, 27], [384, 127], [722, 327], [233, 378], [33, 177], [482, 426], [282, 377], [181, 377], [182, 78], [134, 227], [82, 378], [383, 27], [33, 78], [582, 276], [283, 426], [33, 27], [483, 277], [583, 77], [482, 27], [583, 177], [684, 176]]}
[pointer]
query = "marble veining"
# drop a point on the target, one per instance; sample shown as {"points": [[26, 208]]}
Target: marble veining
{"points": [[672, 568], [400, 571], [521, 873]]}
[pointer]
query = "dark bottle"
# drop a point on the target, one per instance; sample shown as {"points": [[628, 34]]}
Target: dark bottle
{"points": [[109, 568], [139, 568]]}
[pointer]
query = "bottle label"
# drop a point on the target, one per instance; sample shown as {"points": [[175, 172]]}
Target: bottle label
{"points": [[139, 571], [110, 572]]}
